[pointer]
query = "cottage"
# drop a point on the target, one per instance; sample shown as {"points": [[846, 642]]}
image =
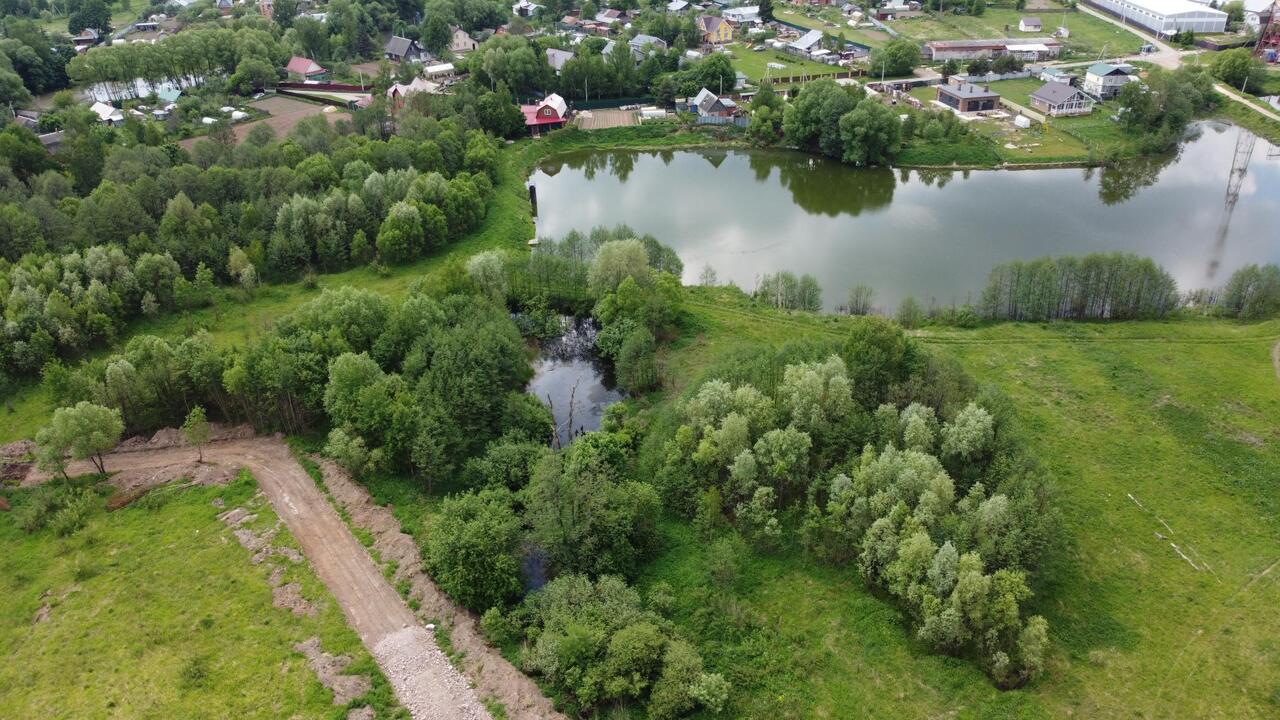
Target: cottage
{"points": [[224, 7], [744, 15], [808, 43], [643, 45], [678, 7], [549, 114], [525, 9], [1058, 99], [1029, 24], [460, 43], [300, 68], [610, 16], [107, 114], [87, 38], [557, 58], [402, 49], [968, 98], [1058, 75], [714, 30], [1104, 80], [708, 104], [398, 94]]}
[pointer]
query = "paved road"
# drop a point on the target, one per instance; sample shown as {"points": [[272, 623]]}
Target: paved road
{"points": [[424, 680]]}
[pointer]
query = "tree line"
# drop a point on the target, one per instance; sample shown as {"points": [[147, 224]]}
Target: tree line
{"points": [[156, 233]]}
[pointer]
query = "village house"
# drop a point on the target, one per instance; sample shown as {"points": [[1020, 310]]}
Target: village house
{"points": [[1029, 24], [402, 49], [1104, 80], [107, 115], [87, 38], [1058, 75], [438, 71], [714, 30], [549, 114], [611, 16], [642, 45], [300, 68], [398, 95], [968, 98], [557, 58], [808, 43], [460, 43], [678, 7], [224, 7], [744, 15], [525, 9], [1059, 99], [708, 104]]}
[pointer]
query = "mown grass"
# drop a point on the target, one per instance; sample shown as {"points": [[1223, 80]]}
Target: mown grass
{"points": [[755, 64], [156, 611]]}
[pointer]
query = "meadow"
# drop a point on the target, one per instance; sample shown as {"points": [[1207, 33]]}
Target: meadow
{"points": [[155, 610], [1089, 35]]}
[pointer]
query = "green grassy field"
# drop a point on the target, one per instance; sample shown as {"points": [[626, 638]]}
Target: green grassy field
{"points": [[753, 64], [1089, 35], [837, 25], [1111, 410], [156, 611], [120, 17]]}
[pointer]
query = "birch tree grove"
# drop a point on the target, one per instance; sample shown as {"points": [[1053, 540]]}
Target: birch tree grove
{"points": [[1099, 286]]}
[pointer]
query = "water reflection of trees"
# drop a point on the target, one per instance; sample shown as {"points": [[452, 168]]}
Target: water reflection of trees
{"points": [[821, 186], [1121, 181], [817, 185]]}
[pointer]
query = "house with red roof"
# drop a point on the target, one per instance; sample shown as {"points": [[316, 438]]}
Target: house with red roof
{"points": [[301, 68], [547, 115]]}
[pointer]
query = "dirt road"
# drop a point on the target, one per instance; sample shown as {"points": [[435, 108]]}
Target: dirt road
{"points": [[1275, 359], [424, 680]]}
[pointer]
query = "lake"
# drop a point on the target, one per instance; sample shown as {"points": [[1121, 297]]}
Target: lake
{"points": [[930, 234]]}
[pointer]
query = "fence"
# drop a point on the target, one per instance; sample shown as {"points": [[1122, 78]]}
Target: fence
{"points": [[332, 87], [717, 120], [807, 77]]}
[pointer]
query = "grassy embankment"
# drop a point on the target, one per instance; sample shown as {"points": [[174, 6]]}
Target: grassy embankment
{"points": [[1111, 410], [156, 611]]}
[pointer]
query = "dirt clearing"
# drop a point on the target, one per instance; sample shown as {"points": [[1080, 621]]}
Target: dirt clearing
{"points": [[424, 680], [285, 113], [601, 119]]}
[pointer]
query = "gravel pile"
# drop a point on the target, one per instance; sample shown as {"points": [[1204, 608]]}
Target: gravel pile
{"points": [[426, 684]]}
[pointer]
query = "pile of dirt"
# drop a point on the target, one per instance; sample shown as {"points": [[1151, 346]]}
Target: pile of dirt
{"points": [[328, 669], [289, 597], [173, 437], [492, 675], [4, 504], [18, 450], [196, 473]]}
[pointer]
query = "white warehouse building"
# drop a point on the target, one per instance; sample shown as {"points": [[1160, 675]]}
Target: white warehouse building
{"points": [[1166, 17]]}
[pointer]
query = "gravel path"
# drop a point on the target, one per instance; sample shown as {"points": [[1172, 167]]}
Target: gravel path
{"points": [[424, 680]]}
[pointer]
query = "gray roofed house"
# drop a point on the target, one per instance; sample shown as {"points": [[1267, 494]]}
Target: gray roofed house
{"points": [[403, 49], [968, 98], [557, 58], [1029, 24], [708, 103], [807, 42], [643, 45], [1059, 99]]}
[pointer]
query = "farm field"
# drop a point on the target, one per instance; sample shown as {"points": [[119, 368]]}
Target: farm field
{"points": [[284, 114], [1089, 35], [155, 610]]}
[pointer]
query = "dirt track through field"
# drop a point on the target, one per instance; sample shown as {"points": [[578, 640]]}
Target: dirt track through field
{"points": [[424, 680], [1275, 359]]}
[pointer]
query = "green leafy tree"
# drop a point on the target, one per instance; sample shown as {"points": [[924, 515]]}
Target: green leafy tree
{"points": [[472, 546], [85, 432], [897, 57], [195, 429], [872, 134]]}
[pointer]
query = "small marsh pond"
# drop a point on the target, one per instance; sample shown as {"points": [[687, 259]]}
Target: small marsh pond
{"points": [[931, 234], [573, 380]]}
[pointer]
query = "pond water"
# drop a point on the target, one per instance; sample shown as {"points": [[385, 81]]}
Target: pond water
{"points": [[930, 234], [571, 379]]}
